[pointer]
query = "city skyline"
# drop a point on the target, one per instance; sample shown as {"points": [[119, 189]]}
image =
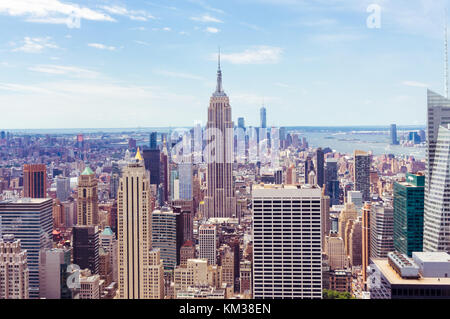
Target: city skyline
{"points": [[123, 60]]}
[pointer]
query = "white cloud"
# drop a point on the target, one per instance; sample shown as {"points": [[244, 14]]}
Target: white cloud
{"points": [[20, 88], [205, 6], [179, 75], [257, 55], [139, 15], [415, 84], [139, 28], [50, 11], [142, 43], [162, 29], [35, 45], [212, 30], [251, 26], [101, 46], [283, 85], [65, 70], [206, 18]]}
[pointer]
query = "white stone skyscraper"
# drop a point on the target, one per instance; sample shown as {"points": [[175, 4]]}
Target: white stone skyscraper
{"points": [[436, 233], [220, 199], [13, 269], [137, 261]]}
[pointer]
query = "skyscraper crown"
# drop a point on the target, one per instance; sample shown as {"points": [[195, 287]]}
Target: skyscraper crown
{"points": [[219, 88]]}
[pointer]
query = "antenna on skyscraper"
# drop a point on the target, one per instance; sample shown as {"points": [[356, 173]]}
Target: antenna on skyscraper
{"points": [[446, 55], [219, 57]]}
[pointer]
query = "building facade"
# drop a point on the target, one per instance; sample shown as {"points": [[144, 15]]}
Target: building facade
{"points": [[134, 234], [361, 173], [437, 193], [409, 199], [34, 181], [208, 243], [30, 221], [87, 202], [287, 249], [13, 269], [381, 230], [220, 199]]}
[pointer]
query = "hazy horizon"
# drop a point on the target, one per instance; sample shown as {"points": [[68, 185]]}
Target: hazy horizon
{"points": [[143, 64]]}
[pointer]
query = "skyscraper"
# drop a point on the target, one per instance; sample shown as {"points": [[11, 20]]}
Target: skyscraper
{"points": [[355, 248], [331, 181], [34, 181], [13, 269], [361, 173], [355, 197], [320, 167], [309, 166], [394, 139], [152, 160], [408, 214], [62, 188], [365, 249], [108, 242], [263, 118], [87, 204], [185, 178], [167, 235], [153, 140], [174, 185], [226, 261], [85, 247], [29, 220], [220, 199], [164, 158], [207, 241], [136, 258], [241, 122], [326, 221], [436, 232], [381, 230], [53, 273], [348, 214], [335, 249], [285, 264]]}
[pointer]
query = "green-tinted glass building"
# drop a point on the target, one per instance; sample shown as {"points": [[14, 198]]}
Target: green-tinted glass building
{"points": [[408, 214]]}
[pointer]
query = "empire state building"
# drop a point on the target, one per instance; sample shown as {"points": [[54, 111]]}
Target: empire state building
{"points": [[220, 199]]}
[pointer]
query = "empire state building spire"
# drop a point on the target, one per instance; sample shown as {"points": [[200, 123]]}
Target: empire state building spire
{"points": [[219, 88]]}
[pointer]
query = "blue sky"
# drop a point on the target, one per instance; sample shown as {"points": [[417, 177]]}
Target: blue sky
{"points": [[153, 63]]}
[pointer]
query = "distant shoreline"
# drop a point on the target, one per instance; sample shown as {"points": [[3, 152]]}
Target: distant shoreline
{"points": [[164, 129]]}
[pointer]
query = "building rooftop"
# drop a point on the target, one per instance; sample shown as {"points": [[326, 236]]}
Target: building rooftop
{"points": [[208, 226], [282, 186], [107, 231], [87, 171], [441, 257], [25, 200], [395, 279], [360, 153]]}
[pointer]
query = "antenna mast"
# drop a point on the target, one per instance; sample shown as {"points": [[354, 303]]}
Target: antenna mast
{"points": [[446, 56]]}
